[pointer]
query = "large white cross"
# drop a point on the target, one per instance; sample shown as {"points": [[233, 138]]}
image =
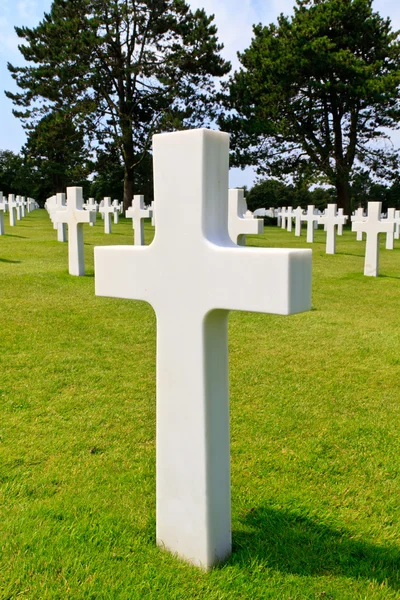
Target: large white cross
{"points": [[192, 280], [12, 207], [390, 234], [3, 205], [298, 214], [138, 213], [397, 224], [75, 216], [330, 220], [238, 224], [372, 226], [61, 227], [107, 210], [358, 216], [310, 217]]}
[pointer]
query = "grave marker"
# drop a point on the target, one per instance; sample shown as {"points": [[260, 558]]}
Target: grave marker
{"points": [[390, 234], [358, 216], [298, 214], [12, 207], [310, 217], [372, 226], [106, 210], [239, 224], [289, 216], [2, 211], [340, 225], [61, 227], [282, 216], [75, 216], [331, 220], [138, 213], [192, 280]]}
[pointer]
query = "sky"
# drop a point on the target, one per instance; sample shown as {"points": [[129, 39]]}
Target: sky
{"points": [[234, 19]]}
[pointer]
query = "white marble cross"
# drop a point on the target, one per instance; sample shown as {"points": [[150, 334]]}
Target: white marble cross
{"points": [[372, 226], [61, 227], [289, 217], [282, 215], [310, 217], [358, 216], [93, 207], [75, 216], [138, 213], [340, 225], [18, 207], [298, 214], [23, 207], [12, 207], [330, 220], [115, 204], [3, 205], [192, 280], [107, 209], [238, 223], [390, 234]]}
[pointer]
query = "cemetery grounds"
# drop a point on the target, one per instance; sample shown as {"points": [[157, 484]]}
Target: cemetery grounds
{"points": [[315, 440]]}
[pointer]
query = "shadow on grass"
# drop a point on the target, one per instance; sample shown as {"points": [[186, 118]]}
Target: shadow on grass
{"points": [[291, 543], [6, 260], [23, 237], [389, 276]]}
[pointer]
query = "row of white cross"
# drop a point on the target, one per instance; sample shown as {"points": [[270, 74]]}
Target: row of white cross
{"points": [[17, 207], [74, 213], [372, 224]]}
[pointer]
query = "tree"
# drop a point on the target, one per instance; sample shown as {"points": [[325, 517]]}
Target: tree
{"points": [[315, 92], [123, 69], [56, 150]]}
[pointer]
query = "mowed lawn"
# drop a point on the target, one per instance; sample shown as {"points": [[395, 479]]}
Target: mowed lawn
{"points": [[315, 433]]}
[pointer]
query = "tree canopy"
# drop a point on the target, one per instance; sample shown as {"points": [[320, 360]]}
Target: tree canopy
{"points": [[122, 69], [316, 94]]}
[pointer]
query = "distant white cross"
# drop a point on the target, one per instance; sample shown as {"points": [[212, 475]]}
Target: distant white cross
{"points": [[397, 224], [192, 280], [289, 216], [12, 207], [298, 214], [358, 216], [282, 215], [23, 207], [93, 207], [115, 204], [61, 227], [340, 225], [138, 213], [372, 226], [238, 223], [107, 209], [390, 234], [3, 205], [75, 216], [310, 217], [18, 207], [330, 220]]}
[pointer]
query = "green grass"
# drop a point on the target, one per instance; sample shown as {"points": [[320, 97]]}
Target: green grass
{"points": [[315, 413]]}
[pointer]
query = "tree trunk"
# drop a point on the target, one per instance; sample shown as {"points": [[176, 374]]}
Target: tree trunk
{"points": [[128, 186], [343, 195]]}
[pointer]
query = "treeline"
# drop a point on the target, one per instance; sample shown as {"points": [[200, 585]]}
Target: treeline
{"points": [[272, 193], [313, 100]]}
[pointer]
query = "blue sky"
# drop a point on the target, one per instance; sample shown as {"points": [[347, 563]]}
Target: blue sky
{"points": [[234, 19]]}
